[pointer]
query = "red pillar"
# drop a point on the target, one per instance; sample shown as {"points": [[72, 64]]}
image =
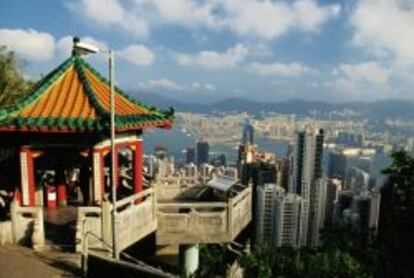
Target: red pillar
{"points": [[138, 186], [27, 176]]}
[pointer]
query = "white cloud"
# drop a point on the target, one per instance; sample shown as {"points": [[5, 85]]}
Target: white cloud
{"points": [[385, 26], [215, 60], [258, 18], [368, 80], [163, 84], [370, 72], [168, 84], [111, 13], [30, 43], [185, 12], [279, 69], [137, 54], [270, 19]]}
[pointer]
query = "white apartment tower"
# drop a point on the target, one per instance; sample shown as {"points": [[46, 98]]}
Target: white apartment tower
{"points": [[277, 216], [307, 182]]}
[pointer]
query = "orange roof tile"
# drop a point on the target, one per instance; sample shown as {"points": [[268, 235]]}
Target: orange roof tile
{"points": [[76, 97]]}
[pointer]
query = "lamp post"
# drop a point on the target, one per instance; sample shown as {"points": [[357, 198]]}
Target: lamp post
{"points": [[84, 49]]}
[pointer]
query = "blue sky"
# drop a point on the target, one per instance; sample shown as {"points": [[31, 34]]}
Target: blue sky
{"points": [[214, 49]]}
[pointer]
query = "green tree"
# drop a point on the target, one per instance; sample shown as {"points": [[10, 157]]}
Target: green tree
{"points": [[396, 225], [13, 86], [213, 260], [270, 261]]}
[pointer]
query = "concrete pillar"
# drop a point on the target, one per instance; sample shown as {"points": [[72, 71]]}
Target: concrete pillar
{"points": [[189, 256], [27, 177]]}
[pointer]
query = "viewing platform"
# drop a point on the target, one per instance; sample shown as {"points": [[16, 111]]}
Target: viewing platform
{"points": [[203, 214]]}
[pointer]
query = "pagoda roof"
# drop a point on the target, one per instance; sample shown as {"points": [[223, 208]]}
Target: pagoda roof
{"points": [[74, 97]]}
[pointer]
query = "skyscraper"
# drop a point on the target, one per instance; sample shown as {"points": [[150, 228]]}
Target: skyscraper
{"points": [[248, 133], [333, 188], [278, 215], [202, 152], [306, 175], [337, 165], [191, 155]]}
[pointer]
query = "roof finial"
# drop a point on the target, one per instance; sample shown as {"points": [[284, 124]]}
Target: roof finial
{"points": [[75, 41]]}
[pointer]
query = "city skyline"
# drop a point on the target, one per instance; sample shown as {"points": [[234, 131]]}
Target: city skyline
{"points": [[211, 50]]}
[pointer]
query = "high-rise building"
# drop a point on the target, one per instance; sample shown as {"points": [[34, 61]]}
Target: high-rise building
{"points": [[264, 213], [337, 165], [283, 174], [166, 166], [190, 170], [317, 205], [202, 152], [205, 172], [248, 133], [333, 188], [306, 182], [368, 206], [219, 160], [190, 155], [160, 151], [287, 216], [278, 215]]}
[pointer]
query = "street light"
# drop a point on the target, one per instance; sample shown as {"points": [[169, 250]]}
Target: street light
{"points": [[81, 48]]}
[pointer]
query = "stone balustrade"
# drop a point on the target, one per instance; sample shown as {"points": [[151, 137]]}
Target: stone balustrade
{"points": [[135, 219], [28, 226], [203, 222]]}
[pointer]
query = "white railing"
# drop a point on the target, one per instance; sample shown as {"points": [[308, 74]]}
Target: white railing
{"points": [[136, 218], [89, 221], [203, 222], [240, 211], [28, 226], [172, 187]]}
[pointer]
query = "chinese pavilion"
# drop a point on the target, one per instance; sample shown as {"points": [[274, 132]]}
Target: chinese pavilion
{"points": [[65, 122]]}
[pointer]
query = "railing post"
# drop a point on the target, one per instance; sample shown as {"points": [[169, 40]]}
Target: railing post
{"points": [[38, 236], [106, 222], [85, 250], [230, 218], [15, 226], [154, 204]]}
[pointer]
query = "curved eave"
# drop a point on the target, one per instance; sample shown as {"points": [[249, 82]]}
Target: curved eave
{"points": [[139, 127]]}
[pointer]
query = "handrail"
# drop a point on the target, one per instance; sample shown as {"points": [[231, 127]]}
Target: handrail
{"points": [[192, 205], [132, 198], [27, 209], [147, 267], [241, 196]]}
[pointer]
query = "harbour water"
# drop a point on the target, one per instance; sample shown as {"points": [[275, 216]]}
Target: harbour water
{"points": [[177, 140]]}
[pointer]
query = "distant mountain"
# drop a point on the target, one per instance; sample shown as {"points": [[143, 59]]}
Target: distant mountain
{"points": [[379, 109]]}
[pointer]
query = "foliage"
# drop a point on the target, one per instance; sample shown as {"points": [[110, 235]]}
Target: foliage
{"points": [[396, 226], [361, 245], [287, 262], [13, 85], [213, 260]]}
